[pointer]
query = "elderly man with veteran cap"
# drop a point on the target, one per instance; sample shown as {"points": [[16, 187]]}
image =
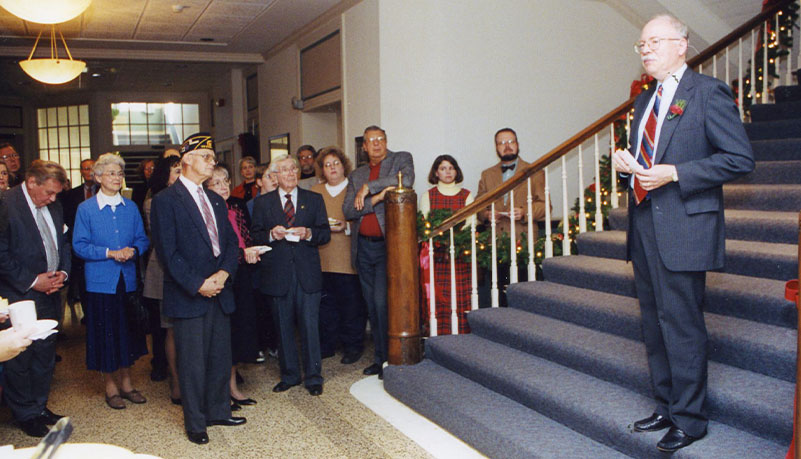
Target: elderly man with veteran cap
{"points": [[198, 248]]}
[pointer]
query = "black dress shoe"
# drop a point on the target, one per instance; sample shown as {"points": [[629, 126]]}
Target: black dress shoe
{"points": [[200, 438], [373, 369], [232, 421], [652, 423], [315, 389], [34, 427], [48, 417], [282, 386], [676, 439], [235, 407], [243, 402], [176, 401], [158, 374], [351, 357]]}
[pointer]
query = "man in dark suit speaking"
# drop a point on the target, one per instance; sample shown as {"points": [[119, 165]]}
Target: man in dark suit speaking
{"points": [[34, 262], [198, 248], [687, 140], [293, 221]]}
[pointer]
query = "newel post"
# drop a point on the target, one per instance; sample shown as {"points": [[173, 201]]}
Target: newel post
{"points": [[796, 408], [402, 276]]}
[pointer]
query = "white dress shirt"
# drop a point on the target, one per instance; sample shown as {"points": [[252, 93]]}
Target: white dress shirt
{"points": [[193, 187], [669, 86]]}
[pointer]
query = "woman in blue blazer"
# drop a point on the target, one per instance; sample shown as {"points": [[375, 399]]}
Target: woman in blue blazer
{"points": [[109, 235]]}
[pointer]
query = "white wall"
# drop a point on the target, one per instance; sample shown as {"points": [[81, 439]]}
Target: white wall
{"points": [[320, 129], [454, 72], [278, 83]]}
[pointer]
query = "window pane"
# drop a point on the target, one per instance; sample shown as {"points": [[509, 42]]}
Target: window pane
{"points": [[84, 112], [75, 159], [62, 116], [86, 153], [75, 136], [63, 137], [119, 113], [157, 134], [75, 178], [138, 134], [42, 139], [138, 113], [52, 119], [64, 156], [84, 136], [52, 135], [41, 116], [155, 114], [172, 113], [191, 115], [73, 114], [190, 129], [175, 134]]}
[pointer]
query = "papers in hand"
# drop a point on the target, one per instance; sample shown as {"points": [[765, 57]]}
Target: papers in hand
{"points": [[631, 162]]}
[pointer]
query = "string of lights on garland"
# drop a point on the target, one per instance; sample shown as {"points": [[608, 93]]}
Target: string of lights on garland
{"points": [[780, 42]]}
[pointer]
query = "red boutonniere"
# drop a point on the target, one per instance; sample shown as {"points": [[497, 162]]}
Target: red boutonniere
{"points": [[677, 109]]}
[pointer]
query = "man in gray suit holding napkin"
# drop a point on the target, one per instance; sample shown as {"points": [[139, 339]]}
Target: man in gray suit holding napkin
{"points": [[687, 140], [364, 208]]}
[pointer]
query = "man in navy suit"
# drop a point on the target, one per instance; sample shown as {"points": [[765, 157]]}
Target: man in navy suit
{"points": [[293, 221], [688, 141], [198, 248], [34, 262]]}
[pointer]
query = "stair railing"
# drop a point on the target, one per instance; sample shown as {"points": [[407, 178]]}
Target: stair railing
{"points": [[723, 59]]}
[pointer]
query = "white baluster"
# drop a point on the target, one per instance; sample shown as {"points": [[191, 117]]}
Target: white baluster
{"points": [[599, 216], [454, 304], [473, 265], [740, 77], [494, 286], [612, 173], [765, 73], [512, 240], [532, 268], [753, 68], [788, 79], [432, 302], [582, 217], [777, 60], [715, 66], [548, 241], [565, 216], [728, 81]]}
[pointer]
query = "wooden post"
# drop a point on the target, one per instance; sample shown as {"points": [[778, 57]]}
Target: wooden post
{"points": [[403, 276]]}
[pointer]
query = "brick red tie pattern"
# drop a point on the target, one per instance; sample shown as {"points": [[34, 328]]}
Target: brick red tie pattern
{"points": [[289, 211], [210, 227], [646, 156]]}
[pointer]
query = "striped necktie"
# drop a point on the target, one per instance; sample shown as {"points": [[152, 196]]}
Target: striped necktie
{"points": [[646, 156], [208, 218], [289, 211]]}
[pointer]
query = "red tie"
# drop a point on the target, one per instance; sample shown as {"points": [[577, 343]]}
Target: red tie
{"points": [[646, 156], [289, 211], [209, 219]]}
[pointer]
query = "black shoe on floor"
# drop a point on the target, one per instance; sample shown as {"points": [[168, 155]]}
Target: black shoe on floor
{"points": [[236, 407], [158, 374], [315, 389], [375, 369], [282, 386], [351, 357], [176, 401], [232, 421], [34, 427], [243, 402], [48, 417], [675, 439], [652, 423], [200, 438]]}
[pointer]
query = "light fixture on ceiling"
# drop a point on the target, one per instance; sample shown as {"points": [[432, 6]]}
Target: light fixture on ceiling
{"points": [[52, 70], [46, 11]]}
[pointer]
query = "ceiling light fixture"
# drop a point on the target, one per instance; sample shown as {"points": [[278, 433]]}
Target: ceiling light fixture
{"points": [[46, 11], [53, 70]]}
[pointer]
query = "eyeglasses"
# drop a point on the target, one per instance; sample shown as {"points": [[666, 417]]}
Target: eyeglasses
{"points": [[208, 157], [374, 139], [216, 183], [115, 174], [309, 156], [333, 163], [653, 44], [10, 155], [505, 142], [288, 170]]}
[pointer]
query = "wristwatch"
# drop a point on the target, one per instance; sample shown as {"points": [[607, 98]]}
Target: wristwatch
{"points": [[675, 175]]}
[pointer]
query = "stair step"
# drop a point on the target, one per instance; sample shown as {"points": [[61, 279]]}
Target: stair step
{"points": [[495, 425], [765, 259], [785, 198], [623, 362], [773, 173], [769, 130], [775, 112], [597, 409], [776, 150], [752, 298], [752, 346], [744, 225], [787, 93]]}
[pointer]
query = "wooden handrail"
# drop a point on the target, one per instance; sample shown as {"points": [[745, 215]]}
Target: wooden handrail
{"points": [[565, 147]]}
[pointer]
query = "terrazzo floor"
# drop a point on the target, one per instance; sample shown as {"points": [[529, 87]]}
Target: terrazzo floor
{"points": [[287, 425]]}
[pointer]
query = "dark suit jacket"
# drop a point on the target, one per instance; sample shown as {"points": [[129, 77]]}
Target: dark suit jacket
{"points": [[709, 147], [396, 161], [303, 255], [184, 248], [22, 253], [70, 200]]}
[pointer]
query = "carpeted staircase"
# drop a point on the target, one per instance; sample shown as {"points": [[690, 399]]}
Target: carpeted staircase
{"points": [[562, 371]]}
